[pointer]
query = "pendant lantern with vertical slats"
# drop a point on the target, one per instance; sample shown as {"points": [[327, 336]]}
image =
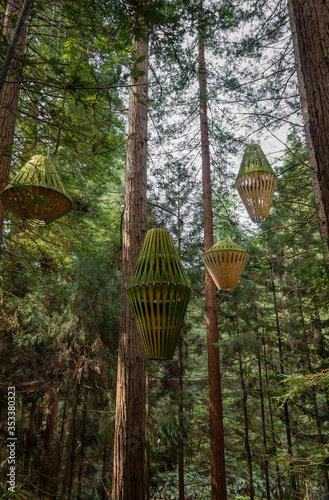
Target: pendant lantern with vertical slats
{"points": [[37, 193], [256, 183], [159, 293], [225, 262]]}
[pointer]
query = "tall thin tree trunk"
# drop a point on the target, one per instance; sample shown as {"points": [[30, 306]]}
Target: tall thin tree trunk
{"points": [[129, 440], [82, 451], [148, 455], [313, 396], [245, 410], [70, 451], [51, 422], [282, 371], [272, 421], [181, 423], [104, 474], [261, 393], [48, 466], [309, 24], [218, 479], [9, 99]]}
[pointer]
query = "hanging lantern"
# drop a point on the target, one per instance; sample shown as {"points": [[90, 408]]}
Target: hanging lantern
{"points": [[37, 193], [159, 293], [225, 262], [256, 183]]}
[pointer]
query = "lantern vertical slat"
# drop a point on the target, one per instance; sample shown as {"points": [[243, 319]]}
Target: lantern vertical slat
{"points": [[225, 262], [160, 279], [256, 183]]}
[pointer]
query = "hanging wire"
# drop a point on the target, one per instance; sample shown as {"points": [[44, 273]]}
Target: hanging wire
{"points": [[14, 42]]}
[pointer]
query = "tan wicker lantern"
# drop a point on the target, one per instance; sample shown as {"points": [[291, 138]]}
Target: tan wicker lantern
{"points": [[225, 262], [256, 183], [37, 193], [159, 293]]}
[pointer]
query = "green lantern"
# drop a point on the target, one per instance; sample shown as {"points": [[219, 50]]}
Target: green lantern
{"points": [[256, 183], [159, 293], [225, 262], [37, 193]]}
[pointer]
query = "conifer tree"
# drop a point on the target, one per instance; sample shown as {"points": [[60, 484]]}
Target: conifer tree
{"points": [[218, 479], [129, 444]]}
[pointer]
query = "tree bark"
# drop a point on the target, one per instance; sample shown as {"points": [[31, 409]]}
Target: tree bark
{"points": [[48, 465], [313, 396], [70, 450], [129, 441], [309, 23], [245, 411], [271, 419], [148, 454], [82, 451], [104, 474], [262, 406], [282, 371], [51, 422], [218, 479], [9, 100], [181, 423]]}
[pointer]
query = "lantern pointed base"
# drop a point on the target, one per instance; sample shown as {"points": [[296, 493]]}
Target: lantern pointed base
{"points": [[225, 261]]}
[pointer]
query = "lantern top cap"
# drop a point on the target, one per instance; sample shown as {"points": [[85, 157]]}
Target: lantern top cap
{"points": [[158, 261], [39, 171], [254, 160], [225, 245]]}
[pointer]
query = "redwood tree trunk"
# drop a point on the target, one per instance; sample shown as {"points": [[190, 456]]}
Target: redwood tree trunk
{"points": [[129, 441], [218, 480], [309, 23], [9, 99]]}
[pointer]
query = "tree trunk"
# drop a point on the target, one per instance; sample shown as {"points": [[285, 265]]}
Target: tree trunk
{"points": [[309, 24], [181, 423], [82, 451], [104, 473], [70, 451], [129, 440], [48, 465], [313, 396], [245, 411], [282, 371], [9, 99], [51, 422], [218, 479], [311, 153], [261, 393], [148, 455], [271, 419]]}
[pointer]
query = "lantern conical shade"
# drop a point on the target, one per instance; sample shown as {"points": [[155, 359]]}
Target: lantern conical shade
{"points": [[37, 193], [159, 293], [256, 183], [225, 262]]}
